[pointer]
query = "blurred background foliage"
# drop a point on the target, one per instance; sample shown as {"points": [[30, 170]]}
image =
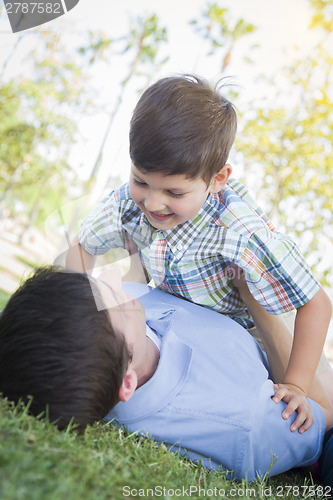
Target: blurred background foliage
{"points": [[284, 144]]}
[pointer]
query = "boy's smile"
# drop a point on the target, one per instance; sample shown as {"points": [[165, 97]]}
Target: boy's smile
{"points": [[167, 200], [160, 217]]}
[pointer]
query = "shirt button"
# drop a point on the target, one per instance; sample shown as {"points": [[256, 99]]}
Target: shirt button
{"points": [[179, 247], [160, 269]]}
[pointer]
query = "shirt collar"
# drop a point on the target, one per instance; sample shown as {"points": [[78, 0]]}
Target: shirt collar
{"points": [[167, 381], [181, 237], [160, 318], [152, 335]]}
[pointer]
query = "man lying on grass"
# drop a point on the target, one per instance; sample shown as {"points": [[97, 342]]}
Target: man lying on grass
{"points": [[163, 366]]}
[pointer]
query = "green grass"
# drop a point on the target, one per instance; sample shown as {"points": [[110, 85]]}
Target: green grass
{"points": [[38, 462], [4, 296]]}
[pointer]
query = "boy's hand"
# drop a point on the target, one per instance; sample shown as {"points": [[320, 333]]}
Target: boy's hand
{"points": [[136, 271], [130, 245], [297, 401], [237, 277]]}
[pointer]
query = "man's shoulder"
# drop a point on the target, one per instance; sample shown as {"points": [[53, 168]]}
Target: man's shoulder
{"points": [[192, 323]]}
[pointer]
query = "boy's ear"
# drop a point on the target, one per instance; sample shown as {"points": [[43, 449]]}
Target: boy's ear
{"points": [[220, 179], [128, 385]]}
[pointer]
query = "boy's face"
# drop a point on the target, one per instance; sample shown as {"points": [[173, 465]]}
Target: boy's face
{"points": [[167, 200]]}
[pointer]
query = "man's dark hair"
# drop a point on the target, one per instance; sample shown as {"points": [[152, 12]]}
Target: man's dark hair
{"points": [[58, 348], [181, 125]]}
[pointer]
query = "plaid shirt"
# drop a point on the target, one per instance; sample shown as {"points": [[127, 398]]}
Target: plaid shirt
{"points": [[193, 260]]}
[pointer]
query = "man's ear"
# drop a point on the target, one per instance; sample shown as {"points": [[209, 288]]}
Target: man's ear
{"points": [[128, 385], [220, 179]]}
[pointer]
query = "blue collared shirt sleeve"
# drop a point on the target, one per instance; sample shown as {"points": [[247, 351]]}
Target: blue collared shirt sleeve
{"points": [[271, 445]]}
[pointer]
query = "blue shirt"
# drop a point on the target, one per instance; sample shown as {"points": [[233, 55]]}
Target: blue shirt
{"points": [[210, 396]]}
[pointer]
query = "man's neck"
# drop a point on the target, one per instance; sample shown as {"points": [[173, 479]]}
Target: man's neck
{"points": [[153, 357]]}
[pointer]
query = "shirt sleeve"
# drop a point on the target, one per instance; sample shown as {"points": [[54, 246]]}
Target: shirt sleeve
{"points": [[276, 272], [102, 229], [282, 448]]}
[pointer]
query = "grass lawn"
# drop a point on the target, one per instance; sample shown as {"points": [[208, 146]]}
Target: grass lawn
{"points": [[38, 462]]}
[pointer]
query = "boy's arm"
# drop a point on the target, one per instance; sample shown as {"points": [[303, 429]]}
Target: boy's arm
{"points": [[78, 259], [311, 325], [136, 272], [277, 342]]}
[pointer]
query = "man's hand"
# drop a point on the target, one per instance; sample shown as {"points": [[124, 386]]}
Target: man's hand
{"points": [[296, 401]]}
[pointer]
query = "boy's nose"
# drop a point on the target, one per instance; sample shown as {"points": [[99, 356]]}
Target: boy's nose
{"points": [[154, 201]]}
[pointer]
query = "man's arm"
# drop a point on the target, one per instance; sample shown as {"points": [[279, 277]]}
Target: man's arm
{"points": [[78, 259]]}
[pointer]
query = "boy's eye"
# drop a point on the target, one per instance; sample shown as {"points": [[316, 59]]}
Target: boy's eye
{"points": [[176, 195], [139, 182]]}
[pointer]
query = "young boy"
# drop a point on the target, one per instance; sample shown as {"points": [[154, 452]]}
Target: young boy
{"points": [[191, 222]]}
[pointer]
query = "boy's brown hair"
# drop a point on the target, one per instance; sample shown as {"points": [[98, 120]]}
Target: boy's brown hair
{"points": [[181, 125]]}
